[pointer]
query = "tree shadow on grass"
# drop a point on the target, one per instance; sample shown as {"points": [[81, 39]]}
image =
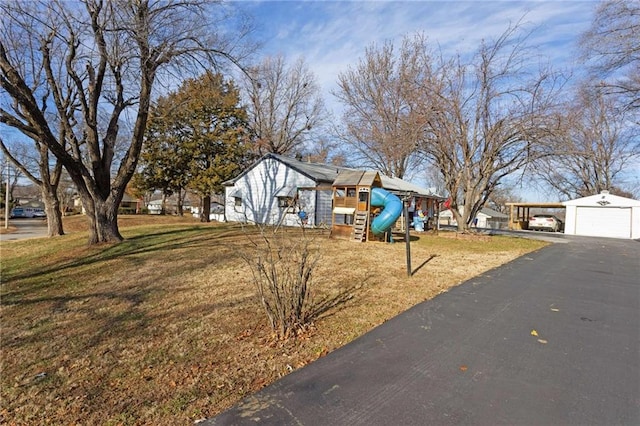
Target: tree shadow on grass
{"points": [[103, 337], [192, 237], [329, 305]]}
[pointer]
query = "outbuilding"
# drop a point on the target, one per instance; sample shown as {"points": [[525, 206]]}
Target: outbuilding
{"points": [[603, 215], [485, 218]]}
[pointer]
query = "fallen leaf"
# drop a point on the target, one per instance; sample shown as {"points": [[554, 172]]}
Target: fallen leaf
{"points": [[534, 333], [463, 368], [544, 342]]}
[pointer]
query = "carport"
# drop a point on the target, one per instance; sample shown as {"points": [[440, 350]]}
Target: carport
{"points": [[519, 213]]}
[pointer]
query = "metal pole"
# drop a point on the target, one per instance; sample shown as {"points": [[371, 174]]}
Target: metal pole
{"points": [[6, 201], [406, 235]]}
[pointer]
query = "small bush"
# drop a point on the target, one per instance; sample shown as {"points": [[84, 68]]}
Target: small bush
{"points": [[282, 271]]}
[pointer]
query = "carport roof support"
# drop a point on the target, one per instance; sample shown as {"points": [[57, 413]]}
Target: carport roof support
{"points": [[533, 205], [515, 219]]}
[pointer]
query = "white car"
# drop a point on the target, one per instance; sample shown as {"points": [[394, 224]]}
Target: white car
{"points": [[545, 222]]}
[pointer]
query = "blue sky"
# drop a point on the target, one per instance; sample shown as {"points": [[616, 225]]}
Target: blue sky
{"points": [[331, 35]]}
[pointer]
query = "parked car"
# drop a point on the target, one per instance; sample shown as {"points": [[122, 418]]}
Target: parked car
{"points": [[545, 222], [27, 212]]}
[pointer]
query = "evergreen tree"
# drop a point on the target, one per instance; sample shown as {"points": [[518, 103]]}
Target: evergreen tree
{"points": [[197, 138]]}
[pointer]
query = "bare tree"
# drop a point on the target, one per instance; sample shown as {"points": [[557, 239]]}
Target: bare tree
{"points": [[502, 195], [282, 271], [487, 119], [434, 180], [8, 176], [324, 150], [44, 172], [612, 48], [597, 143], [284, 105], [382, 115], [97, 62]]}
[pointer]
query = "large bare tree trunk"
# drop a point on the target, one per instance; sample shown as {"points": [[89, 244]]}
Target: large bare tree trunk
{"points": [[48, 181], [106, 222], [103, 219], [53, 210], [89, 91]]}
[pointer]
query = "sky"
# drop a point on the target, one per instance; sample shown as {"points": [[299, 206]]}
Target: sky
{"points": [[333, 35]]}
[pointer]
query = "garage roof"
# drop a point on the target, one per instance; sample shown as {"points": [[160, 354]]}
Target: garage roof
{"points": [[603, 199]]}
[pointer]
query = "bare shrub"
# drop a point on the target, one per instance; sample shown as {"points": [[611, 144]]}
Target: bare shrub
{"points": [[282, 267]]}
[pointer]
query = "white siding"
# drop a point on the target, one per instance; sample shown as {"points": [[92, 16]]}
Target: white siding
{"points": [[257, 189], [570, 220], [603, 215]]}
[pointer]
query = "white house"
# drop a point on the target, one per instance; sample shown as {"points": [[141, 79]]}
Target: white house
{"points": [[282, 190], [486, 218], [216, 211], [603, 215]]}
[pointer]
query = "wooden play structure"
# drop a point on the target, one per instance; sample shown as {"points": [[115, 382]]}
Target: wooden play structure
{"points": [[362, 210]]}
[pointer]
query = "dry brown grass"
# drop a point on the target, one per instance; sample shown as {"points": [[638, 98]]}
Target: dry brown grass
{"points": [[164, 328], [8, 230]]}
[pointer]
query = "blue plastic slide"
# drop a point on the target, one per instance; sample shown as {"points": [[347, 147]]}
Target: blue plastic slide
{"points": [[392, 209]]}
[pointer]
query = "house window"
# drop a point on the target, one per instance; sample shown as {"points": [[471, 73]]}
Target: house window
{"points": [[284, 202], [237, 202]]}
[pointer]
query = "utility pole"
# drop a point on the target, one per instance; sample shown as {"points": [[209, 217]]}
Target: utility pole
{"points": [[6, 200]]}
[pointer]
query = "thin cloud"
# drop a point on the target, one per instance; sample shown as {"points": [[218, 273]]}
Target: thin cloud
{"points": [[333, 35]]}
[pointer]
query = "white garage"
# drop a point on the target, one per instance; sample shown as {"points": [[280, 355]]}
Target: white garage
{"points": [[603, 215]]}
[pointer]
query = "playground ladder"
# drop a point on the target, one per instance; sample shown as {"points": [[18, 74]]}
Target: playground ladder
{"points": [[360, 225]]}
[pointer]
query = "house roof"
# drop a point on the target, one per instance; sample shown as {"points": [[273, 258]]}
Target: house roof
{"points": [[603, 199], [356, 177], [485, 211], [127, 198], [399, 185], [327, 173], [492, 213]]}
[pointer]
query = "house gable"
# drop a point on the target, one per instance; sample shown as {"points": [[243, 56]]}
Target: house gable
{"points": [[269, 192], [319, 173], [604, 200]]}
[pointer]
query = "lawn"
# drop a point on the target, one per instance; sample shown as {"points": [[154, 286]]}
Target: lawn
{"points": [[164, 328]]}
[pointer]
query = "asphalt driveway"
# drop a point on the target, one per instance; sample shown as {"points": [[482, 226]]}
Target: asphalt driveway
{"points": [[552, 338], [26, 228]]}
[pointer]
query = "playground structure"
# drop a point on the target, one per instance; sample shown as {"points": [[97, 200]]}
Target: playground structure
{"points": [[362, 209]]}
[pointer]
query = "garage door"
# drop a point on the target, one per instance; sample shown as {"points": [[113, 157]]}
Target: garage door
{"points": [[610, 222]]}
